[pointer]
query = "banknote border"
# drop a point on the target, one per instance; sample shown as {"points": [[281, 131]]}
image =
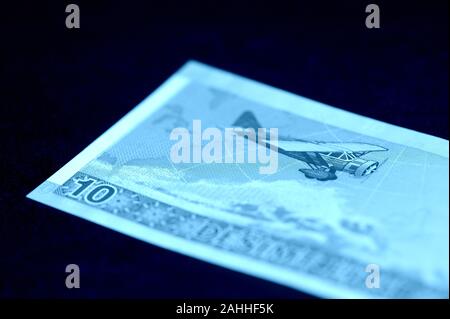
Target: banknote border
{"points": [[45, 193]]}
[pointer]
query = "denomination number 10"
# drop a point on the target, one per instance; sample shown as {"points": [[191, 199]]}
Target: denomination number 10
{"points": [[97, 195]]}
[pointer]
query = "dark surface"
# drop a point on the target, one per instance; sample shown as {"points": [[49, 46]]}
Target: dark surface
{"points": [[62, 88]]}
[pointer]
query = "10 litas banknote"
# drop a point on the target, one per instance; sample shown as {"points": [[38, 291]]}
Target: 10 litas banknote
{"points": [[255, 179]]}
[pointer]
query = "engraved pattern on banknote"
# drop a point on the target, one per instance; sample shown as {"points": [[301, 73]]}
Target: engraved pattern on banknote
{"points": [[303, 257]]}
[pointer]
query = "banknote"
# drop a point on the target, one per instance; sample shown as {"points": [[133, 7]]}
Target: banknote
{"points": [[249, 177]]}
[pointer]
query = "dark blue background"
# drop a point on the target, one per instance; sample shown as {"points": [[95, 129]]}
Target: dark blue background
{"points": [[62, 88]]}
